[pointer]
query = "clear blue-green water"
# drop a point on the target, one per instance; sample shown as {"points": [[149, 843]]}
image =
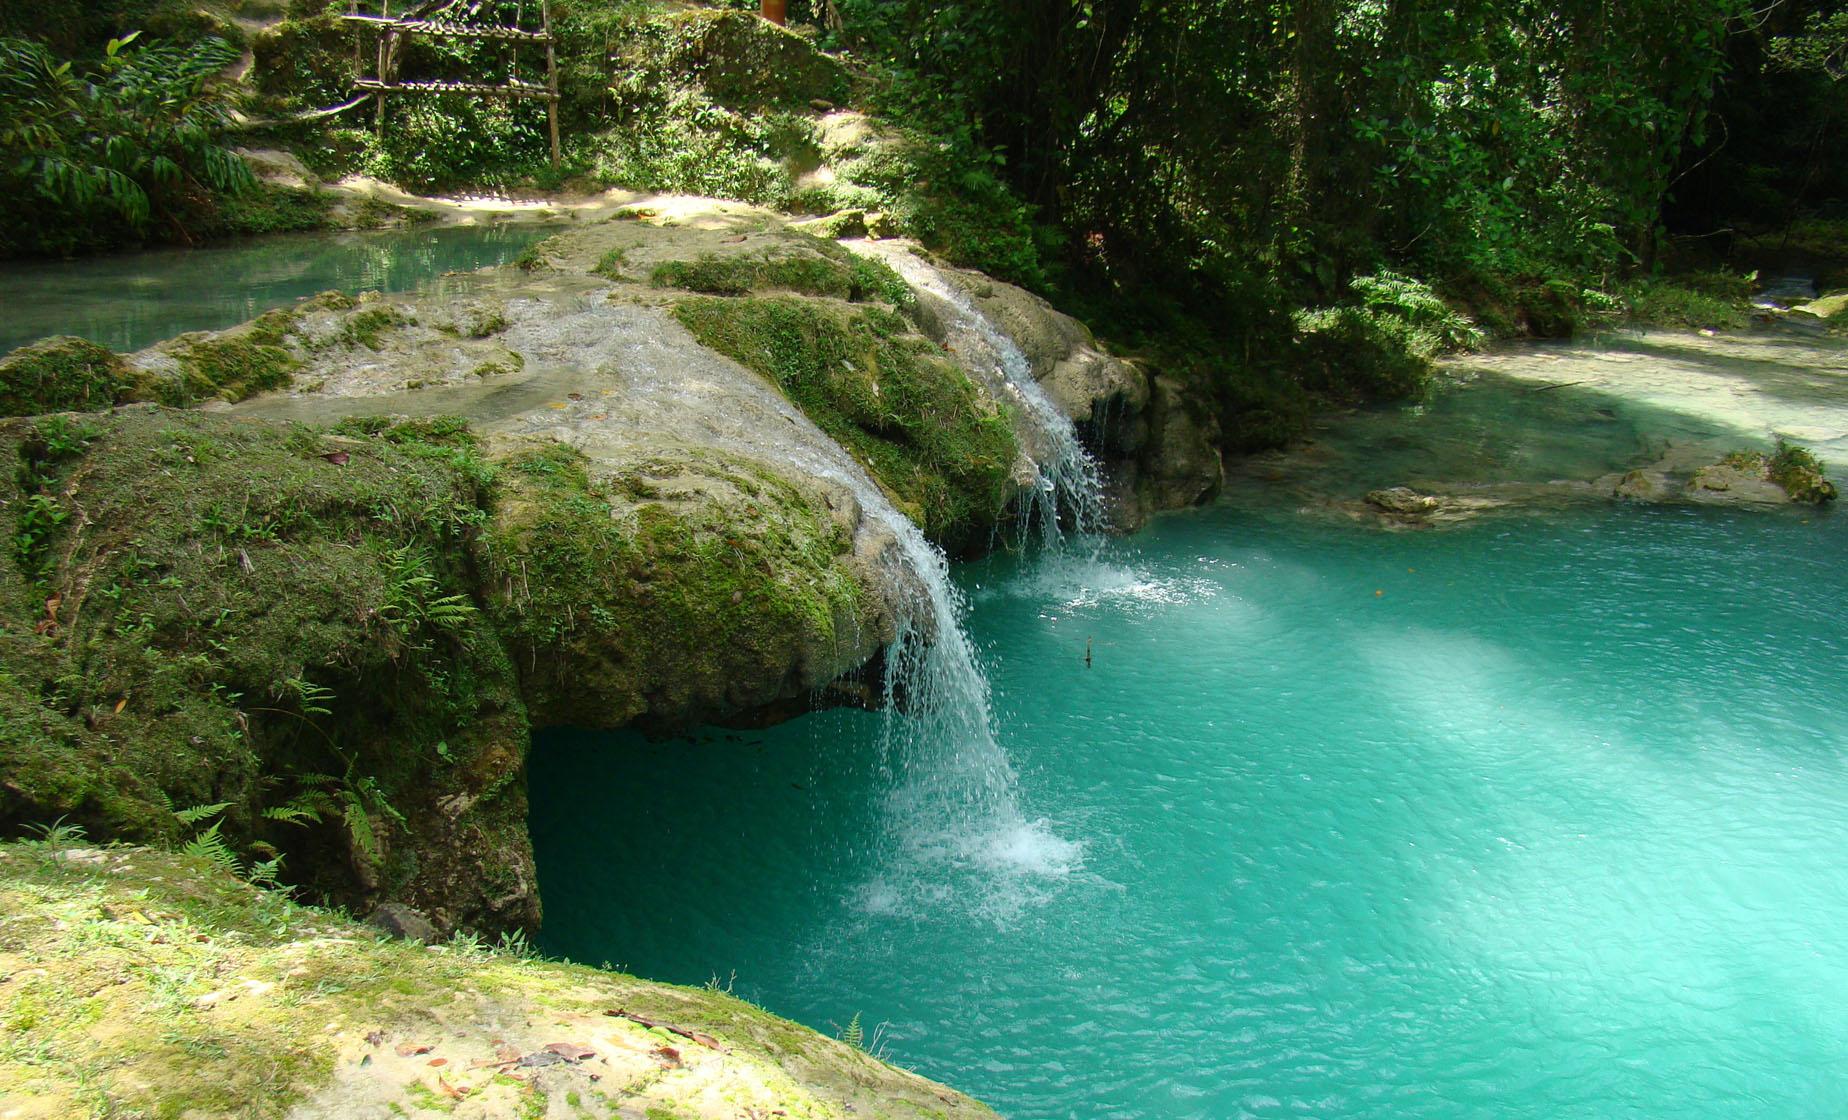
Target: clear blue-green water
{"points": [[1541, 817], [131, 300]]}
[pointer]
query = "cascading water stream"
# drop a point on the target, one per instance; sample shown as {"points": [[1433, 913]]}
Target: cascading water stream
{"points": [[954, 815], [1069, 489]]}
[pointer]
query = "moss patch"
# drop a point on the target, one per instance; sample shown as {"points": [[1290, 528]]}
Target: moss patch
{"points": [[141, 983], [679, 588], [889, 396], [823, 269], [59, 375], [202, 610]]}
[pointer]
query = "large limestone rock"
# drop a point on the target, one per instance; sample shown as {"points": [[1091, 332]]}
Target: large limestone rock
{"points": [[393, 533], [1179, 464], [205, 997]]}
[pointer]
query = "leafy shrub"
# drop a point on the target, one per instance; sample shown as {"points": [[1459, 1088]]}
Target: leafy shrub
{"points": [[93, 157], [1432, 325], [1381, 348]]}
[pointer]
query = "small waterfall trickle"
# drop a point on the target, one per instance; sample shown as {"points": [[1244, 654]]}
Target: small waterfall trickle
{"points": [[954, 814], [956, 832], [1069, 490]]}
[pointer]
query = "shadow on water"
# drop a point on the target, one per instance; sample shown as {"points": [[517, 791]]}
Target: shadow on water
{"points": [[708, 855], [133, 300]]}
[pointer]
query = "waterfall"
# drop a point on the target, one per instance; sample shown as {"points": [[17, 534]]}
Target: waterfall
{"points": [[956, 830], [1069, 489], [954, 815]]}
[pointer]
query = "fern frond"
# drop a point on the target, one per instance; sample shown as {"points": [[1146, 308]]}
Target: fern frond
{"points": [[198, 813], [212, 848]]}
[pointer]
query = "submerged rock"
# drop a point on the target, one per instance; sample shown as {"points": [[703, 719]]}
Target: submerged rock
{"points": [[1730, 483], [1402, 500], [1644, 486]]}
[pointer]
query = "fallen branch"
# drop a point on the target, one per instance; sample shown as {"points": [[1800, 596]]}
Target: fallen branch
{"points": [[705, 1040]]}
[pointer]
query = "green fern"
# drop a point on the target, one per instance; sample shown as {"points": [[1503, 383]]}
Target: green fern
{"points": [[313, 699], [264, 873], [200, 812], [212, 848], [293, 813], [411, 602], [853, 1034]]}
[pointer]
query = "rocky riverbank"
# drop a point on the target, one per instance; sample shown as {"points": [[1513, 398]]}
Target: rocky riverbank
{"points": [[141, 982], [1755, 418], [294, 595], [651, 477]]}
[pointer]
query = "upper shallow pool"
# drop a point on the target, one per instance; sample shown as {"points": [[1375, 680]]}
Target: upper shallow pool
{"points": [[132, 300], [1537, 817]]}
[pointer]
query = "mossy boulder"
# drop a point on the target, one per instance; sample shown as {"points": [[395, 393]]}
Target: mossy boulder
{"points": [[140, 982], [1800, 473], [74, 375], [198, 610], [688, 586], [942, 449], [63, 374], [229, 365]]}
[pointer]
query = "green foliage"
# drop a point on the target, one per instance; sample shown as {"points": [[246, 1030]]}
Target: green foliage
{"points": [[1429, 325], [1719, 300], [212, 847], [96, 153], [1821, 46], [268, 208], [1350, 354], [1382, 346]]}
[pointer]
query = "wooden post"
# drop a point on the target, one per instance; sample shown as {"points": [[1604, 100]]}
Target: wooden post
{"points": [[551, 78], [776, 11], [384, 80]]}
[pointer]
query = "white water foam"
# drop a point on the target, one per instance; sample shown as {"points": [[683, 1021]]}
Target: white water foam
{"points": [[1079, 582]]}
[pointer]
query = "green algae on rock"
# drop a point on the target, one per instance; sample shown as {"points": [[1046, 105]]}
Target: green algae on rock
{"points": [[685, 586], [215, 610], [940, 447], [141, 982], [61, 374]]}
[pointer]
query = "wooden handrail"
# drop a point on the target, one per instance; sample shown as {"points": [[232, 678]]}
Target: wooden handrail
{"points": [[510, 89], [449, 30]]}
